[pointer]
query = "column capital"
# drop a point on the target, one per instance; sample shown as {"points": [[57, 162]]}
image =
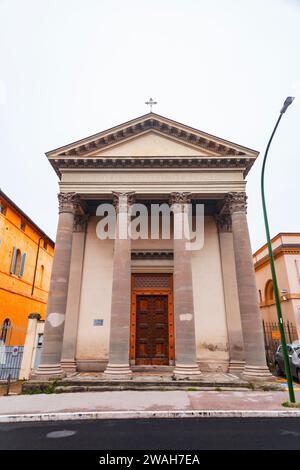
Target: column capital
{"points": [[80, 222], [179, 198], [224, 222], [235, 202], [68, 202], [123, 200]]}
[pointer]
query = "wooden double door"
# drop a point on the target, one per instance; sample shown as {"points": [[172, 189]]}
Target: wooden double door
{"points": [[152, 335]]}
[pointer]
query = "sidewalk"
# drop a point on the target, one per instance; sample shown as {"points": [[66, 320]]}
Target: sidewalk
{"points": [[150, 404]]}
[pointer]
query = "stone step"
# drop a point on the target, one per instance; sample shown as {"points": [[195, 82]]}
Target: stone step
{"points": [[64, 386]]}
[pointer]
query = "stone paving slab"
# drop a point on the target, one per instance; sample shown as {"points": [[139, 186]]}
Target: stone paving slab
{"points": [[134, 404]]}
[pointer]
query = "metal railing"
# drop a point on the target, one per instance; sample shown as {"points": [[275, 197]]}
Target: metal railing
{"points": [[272, 338], [10, 362]]}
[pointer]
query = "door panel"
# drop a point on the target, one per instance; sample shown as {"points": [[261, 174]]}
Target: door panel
{"points": [[152, 336]]}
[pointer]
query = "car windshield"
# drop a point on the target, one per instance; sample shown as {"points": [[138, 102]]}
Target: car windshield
{"points": [[297, 350]]}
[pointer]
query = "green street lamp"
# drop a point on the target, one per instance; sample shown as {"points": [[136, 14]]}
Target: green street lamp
{"points": [[286, 104]]}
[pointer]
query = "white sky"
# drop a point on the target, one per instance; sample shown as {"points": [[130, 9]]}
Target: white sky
{"points": [[71, 68]]}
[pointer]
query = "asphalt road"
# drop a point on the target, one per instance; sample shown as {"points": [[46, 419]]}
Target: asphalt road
{"points": [[155, 434]]}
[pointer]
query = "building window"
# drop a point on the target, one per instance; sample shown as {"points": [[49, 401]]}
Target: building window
{"points": [[4, 331], [45, 245], [3, 208], [17, 262], [260, 296], [269, 291], [22, 226], [42, 269], [22, 265]]}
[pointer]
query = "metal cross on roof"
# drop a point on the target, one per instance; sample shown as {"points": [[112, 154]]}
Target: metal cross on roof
{"points": [[151, 103]]}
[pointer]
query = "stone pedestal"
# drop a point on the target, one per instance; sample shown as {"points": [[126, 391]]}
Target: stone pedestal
{"points": [[57, 300], [118, 361], [255, 358], [184, 321], [68, 362], [29, 345]]}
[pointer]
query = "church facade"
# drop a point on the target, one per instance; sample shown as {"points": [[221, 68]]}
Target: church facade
{"points": [[121, 304]]}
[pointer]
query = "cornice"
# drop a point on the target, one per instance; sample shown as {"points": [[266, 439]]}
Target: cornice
{"points": [[152, 121], [217, 162], [279, 235], [285, 249], [86, 152]]}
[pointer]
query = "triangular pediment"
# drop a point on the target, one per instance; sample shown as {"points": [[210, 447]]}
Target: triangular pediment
{"points": [[172, 130], [147, 136], [151, 144]]}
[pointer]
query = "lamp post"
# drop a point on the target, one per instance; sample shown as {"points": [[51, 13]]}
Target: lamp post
{"points": [[286, 104]]}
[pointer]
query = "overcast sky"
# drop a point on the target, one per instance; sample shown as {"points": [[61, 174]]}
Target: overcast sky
{"points": [[71, 68]]}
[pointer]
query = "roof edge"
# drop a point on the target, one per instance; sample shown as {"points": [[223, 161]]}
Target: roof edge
{"points": [[25, 216]]}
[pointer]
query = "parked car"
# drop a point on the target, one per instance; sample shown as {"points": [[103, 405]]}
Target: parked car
{"points": [[294, 358]]}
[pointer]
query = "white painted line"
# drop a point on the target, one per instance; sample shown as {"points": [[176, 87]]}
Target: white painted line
{"points": [[85, 415]]}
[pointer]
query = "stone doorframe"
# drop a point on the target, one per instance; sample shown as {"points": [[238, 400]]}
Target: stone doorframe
{"points": [[135, 291]]}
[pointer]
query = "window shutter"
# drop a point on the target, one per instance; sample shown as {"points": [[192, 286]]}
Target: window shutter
{"points": [[22, 265], [13, 261]]}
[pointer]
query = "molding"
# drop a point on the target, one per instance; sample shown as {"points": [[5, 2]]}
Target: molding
{"points": [[279, 235], [285, 249], [288, 297], [215, 162], [27, 296], [149, 255], [16, 210], [85, 153], [154, 122]]}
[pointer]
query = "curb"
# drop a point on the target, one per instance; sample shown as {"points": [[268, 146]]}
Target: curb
{"points": [[89, 415]]}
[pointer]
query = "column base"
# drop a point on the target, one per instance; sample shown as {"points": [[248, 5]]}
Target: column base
{"points": [[69, 366], [48, 372], [257, 373], [186, 371], [118, 370], [236, 367]]}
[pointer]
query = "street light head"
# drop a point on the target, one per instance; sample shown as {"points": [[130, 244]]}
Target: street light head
{"points": [[286, 104]]}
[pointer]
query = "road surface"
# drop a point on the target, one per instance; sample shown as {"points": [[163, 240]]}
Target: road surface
{"points": [[140, 434]]}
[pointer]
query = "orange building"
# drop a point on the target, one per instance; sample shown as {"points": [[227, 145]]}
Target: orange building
{"points": [[26, 254]]}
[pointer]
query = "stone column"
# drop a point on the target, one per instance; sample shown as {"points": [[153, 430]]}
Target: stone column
{"points": [[118, 361], [184, 321], [231, 298], [255, 359], [68, 362], [57, 299]]}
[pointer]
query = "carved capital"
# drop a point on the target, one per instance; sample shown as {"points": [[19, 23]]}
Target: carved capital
{"points": [[224, 222], [122, 201], [80, 222], [68, 202], [236, 202], [180, 198]]}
